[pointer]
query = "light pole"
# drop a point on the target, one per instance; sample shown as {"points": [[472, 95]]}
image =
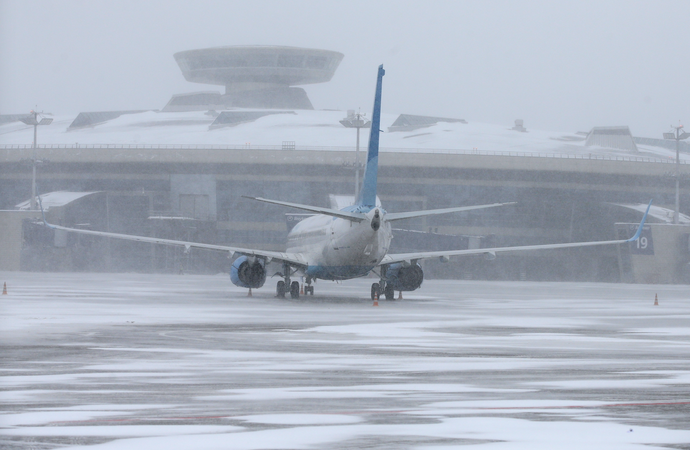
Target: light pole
{"points": [[32, 119], [677, 136], [356, 121]]}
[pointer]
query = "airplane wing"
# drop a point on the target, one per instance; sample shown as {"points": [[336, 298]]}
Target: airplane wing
{"points": [[296, 259], [416, 256], [431, 212]]}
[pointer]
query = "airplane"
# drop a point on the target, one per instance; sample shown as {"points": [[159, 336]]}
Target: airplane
{"points": [[341, 244]]}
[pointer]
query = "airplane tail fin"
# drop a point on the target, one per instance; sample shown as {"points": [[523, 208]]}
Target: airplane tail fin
{"points": [[367, 195]]}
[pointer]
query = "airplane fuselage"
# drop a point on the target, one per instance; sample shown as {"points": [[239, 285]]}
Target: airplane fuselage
{"points": [[340, 249]]}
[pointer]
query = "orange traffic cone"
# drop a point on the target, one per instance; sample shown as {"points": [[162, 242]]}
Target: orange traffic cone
{"points": [[399, 295], [301, 290], [250, 292], [656, 300], [376, 299], [4, 288]]}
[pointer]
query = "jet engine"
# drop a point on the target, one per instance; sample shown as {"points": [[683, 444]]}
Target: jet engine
{"points": [[403, 278], [248, 272]]}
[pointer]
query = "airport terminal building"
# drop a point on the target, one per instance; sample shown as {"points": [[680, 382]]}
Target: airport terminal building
{"points": [[181, 173]]}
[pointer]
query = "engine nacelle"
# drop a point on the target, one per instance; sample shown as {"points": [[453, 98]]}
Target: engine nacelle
{"points": [[247, 274], [403, 278]]}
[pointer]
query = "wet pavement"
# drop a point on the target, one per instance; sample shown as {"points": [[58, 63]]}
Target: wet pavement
{"points": [[157, 361]]}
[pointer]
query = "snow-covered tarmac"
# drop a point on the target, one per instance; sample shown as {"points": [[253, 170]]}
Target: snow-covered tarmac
{"points": [[189, 362]]}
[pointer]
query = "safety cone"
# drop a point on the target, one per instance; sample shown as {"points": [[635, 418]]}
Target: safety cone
{"points": [[4, 288], [250, 292], [656, 300], [301, 290], [399, 295], [376, 299]]}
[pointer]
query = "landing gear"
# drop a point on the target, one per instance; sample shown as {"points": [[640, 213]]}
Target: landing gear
{"points": [[309, 289], [280, 289], [383, 287], [285, 285], [294, 289], [389, 292], [375, 291]]}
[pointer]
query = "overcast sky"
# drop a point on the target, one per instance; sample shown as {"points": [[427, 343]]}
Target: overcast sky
{"points": [[566, 66]]}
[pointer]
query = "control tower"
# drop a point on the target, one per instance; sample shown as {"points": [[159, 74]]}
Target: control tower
{"points": [[253, 76]]}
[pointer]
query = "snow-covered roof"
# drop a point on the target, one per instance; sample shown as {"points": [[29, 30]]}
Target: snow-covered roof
{"points": [[319, 130], [53, 199], [663, 214]]}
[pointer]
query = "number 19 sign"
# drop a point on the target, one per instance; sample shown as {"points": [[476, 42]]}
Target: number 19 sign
{"points": [[644, 245]]}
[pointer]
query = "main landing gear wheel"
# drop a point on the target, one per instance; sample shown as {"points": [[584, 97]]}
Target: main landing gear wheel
{"points": [[375, 291], [294, 289], [280, 289], [389, 292]]}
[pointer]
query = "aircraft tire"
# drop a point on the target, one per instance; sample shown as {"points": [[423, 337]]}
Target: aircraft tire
{"points": [[294, 289], [375, 290], [280, 289], [389, 292]]}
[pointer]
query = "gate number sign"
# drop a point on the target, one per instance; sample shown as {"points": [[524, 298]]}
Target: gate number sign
{"points": [[644, 245]]}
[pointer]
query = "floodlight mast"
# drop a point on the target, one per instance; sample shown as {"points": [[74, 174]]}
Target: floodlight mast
{"points": [[32, 119], [356, 121], [677, 136]]}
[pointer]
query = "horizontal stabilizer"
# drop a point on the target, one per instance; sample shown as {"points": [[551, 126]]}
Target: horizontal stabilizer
{"points": [[354, 217], [431, 212]]}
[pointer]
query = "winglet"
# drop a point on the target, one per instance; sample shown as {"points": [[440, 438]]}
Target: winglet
{"points": [[639, 229], [40, 204]]}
